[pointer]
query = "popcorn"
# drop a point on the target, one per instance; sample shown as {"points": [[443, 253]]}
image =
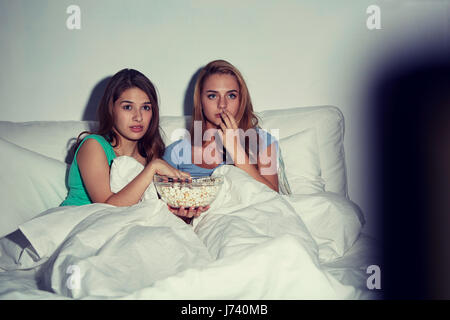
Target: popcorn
{"points": [[198, 193]]}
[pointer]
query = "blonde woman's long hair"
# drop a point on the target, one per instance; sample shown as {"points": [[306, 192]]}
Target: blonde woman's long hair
{"points": [[245, 117]]}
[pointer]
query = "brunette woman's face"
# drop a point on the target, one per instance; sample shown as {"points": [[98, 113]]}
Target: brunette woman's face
{"points": [[220, 92], [132, 113]]}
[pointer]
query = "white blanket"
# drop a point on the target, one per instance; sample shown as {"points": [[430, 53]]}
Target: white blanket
{"points": [[251, 244]]}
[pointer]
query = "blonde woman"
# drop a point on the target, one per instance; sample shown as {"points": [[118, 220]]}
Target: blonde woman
{"points": [[224, 130]]}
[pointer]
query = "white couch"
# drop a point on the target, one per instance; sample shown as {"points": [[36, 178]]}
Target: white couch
{"points": [[36, 156]]}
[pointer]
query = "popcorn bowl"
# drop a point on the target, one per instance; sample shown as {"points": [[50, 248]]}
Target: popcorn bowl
{"points": [[193, 192]]}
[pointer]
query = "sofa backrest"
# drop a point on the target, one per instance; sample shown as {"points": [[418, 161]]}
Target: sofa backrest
{"points": [[55, 138]]}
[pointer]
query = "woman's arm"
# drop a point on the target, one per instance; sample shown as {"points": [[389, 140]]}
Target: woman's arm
{"points": [[266, 169], [95, 172]]}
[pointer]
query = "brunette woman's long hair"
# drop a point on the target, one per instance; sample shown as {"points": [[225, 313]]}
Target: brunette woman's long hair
{"points": [[151, 145]]}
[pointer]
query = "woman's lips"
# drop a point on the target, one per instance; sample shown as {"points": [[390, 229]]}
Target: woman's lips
{"points": [[136, 128]]}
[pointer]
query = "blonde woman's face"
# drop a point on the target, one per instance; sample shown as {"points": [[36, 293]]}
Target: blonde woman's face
{"points": [[220, 92]]}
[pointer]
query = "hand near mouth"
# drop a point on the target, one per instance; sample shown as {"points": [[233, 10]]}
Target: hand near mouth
{"points": [[229, 133]]}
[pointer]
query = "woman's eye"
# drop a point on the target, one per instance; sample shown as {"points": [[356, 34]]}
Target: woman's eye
{"points": [[232, 96], [147, 108], [211, 96], [127, 107]]}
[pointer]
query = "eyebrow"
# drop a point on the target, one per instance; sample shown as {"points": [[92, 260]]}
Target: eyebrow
{"points": [[218, 91], [128, 101]]}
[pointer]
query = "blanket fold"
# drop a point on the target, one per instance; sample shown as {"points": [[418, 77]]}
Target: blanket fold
{"points": [[251, 244]]}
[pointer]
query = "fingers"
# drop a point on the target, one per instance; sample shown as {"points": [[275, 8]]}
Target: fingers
{"points": [[177, 175], [167, 171], [225, 123], [177, 211], [188, 212], [191, 212], [182, 212], [229, 119], [185, 175], [200, 210], [228, 122]]}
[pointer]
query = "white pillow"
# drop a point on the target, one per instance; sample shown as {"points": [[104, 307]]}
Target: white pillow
{"points": [[333, 221], [302, 163], [123, 170], [328, 121], [173, 125], [50, 138], [31, 183]]}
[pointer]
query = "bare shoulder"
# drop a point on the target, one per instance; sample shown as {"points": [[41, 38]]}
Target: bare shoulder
{"points": [[91, 150], [94, 170]]}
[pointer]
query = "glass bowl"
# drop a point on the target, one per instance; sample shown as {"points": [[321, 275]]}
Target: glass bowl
{"points": [[195, 192]]}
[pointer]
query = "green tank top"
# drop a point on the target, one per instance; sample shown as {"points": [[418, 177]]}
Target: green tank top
{"points": [[78, 195]]}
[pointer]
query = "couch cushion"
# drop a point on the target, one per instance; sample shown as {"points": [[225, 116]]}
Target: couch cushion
{"points": [[50, 138], [328, 122], [55, 138], [31, 183]]}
